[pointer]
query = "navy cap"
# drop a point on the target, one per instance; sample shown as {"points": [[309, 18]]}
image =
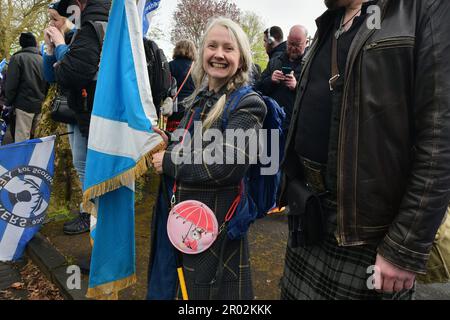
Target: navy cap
{"points": [[61, 7]]}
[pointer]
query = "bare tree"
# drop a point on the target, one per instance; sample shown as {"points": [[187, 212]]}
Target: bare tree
{"points": [[253, 26], [155, 32], [18, 16], [191, 17]]}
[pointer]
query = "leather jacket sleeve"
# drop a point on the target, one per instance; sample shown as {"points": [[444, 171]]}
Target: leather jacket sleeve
{"points": [[410, 237]]}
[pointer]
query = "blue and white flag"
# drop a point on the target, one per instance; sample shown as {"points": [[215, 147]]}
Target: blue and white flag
{"points": [[26, 175], [147, 9], [2, 66], [121, 141]]}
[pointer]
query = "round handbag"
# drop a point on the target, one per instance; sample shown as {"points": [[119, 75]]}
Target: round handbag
{"points": [[192, 227], [61, 112]]}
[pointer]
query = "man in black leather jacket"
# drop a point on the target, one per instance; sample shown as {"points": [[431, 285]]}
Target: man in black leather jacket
{"points": [[378, 132]]}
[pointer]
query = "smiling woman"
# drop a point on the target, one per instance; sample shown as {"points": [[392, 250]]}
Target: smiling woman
{"points": [[223, 270], [225, 60], [221, 57]]}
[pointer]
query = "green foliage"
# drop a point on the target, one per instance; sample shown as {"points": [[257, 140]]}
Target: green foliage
{"points": [[260, 56], [61, 214], [147, 188], [254, 28], [140, 189]]}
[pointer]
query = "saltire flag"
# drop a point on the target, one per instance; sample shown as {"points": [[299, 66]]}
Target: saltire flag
{"points": [[2, 66], [26, 176], [147, 9], [121, 141]]}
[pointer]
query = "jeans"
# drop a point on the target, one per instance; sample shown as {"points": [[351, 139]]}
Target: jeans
{"points": [[78, 145]]}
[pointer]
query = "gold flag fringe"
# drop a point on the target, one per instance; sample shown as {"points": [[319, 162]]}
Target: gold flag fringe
{"points": [[89, 207], [110, 290], [122, 179]]}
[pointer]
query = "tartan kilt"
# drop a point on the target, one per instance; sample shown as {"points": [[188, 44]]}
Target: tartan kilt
{"points": [[331, 272]]}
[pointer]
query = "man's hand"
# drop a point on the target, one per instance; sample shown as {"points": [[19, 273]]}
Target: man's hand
{"points": [[391, 278], [55, 35], [278, 76], [290, 81], [157, 160]]}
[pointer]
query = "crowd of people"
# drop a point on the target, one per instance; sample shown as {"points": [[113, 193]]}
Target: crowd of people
{"points": [[366, 165]]}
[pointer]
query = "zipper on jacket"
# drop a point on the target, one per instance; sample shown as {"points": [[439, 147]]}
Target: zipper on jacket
{"points": [[392, 42], [339, 236], [397, 42]]}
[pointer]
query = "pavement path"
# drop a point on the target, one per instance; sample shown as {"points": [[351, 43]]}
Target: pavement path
{"points": [[267, 238]]}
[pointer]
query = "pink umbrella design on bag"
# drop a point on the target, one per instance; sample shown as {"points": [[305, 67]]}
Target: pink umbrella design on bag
{"points": [[192, 227]]}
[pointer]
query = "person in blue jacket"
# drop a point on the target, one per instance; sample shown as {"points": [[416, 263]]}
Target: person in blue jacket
{"points": [[61, 27]]}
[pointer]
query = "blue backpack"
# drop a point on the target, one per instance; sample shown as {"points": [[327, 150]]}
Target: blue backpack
{"points": [[260, 191]]}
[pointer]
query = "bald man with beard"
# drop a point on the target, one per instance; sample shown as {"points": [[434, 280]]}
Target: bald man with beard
{"points": [[367, 162], [280, 85]]}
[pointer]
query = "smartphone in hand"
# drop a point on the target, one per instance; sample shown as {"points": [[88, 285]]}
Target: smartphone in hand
{"points": [[286, 70]]}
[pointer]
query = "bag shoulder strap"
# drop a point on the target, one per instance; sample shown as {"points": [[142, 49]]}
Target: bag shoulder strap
{"points": [[100, 30], [184, 82], [233, 102]]}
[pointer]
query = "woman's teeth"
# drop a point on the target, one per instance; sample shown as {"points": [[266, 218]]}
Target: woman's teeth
{"points": [[219, 65]]}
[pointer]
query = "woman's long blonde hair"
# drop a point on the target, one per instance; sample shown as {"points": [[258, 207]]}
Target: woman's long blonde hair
{"points": [[240, 78], [68, 26]]}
